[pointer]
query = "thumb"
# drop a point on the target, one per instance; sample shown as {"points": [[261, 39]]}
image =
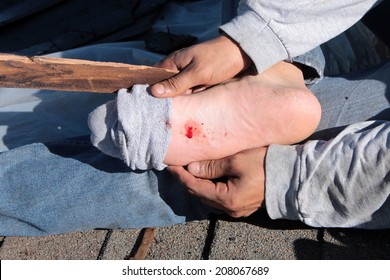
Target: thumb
{"points": [[176, 85], [210, 169]]}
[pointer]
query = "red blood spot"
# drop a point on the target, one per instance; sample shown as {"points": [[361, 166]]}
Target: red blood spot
{"points": [[192, 129], [190, 132]]}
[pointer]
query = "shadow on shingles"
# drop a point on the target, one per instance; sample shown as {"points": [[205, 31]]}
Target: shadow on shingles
{"points": [[330, 244], [348, 244], [260, 218]]}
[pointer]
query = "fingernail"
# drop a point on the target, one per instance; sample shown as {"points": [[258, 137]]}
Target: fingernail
{"points": [[159, 89], [194, 168]]}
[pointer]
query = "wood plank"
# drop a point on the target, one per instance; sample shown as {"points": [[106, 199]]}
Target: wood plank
{"points": [[74, 74]]}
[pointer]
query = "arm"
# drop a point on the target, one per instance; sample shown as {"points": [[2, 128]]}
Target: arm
{"points": [[263, 33], [343, 182], [279, 30]]}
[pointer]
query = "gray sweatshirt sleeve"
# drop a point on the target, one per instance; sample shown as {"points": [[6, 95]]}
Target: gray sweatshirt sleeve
{"points": [[343, 182], [272, 31]]}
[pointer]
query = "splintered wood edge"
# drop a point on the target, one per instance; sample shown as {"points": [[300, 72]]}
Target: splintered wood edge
{"points": [[75, 74], [73, 61]]}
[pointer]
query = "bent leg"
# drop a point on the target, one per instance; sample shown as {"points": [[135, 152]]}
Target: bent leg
{"points": [[355, 97], [70, 186]]}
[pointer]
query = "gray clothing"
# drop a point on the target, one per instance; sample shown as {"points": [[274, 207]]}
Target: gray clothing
{"points": [[134, 128], [279, 30], [344, 181]]}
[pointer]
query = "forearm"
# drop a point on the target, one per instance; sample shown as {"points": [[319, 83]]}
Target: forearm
{"points": [[343, 182], [271, 31]]}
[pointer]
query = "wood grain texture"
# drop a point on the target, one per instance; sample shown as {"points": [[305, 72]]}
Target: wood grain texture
{"points": [[74, 74]]}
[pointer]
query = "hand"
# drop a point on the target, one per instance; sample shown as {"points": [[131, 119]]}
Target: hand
{"points": [[242, 191], [201, 66]]}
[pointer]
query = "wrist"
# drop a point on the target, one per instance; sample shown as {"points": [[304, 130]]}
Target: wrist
{"points": [[240, 59]]}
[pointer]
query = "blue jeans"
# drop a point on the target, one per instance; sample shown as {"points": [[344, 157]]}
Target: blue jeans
{"points": [[68, 185]]}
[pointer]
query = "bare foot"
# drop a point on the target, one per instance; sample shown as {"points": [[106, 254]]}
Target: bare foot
{"points": [[274, 107]]}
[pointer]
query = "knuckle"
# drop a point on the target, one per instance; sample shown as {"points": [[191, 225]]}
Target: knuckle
{"points": [[235, 214], [174, 83], [211, 168], [242, 214], [190, 190], [166, 63], [232, 205], [236, 211]]}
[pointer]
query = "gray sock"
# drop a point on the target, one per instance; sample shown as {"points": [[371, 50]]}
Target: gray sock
{"points": [[134, 127]]}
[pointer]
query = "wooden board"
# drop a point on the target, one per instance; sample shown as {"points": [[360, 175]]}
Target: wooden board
{"points": [[74, 74]]}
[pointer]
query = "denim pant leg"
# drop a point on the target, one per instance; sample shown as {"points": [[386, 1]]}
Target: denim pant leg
{"points": [[355, 97], [70, 186]]}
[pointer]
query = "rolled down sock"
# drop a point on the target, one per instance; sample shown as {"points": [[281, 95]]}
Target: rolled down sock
{"points": [[135, 127]]}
